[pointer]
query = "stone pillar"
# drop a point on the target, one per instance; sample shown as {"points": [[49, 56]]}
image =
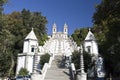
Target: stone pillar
{"points": [[81, 75], [81, 60]]}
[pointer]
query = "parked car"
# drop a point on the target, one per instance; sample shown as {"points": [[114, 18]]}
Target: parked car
{"points": [[20, 78], [27, 77]]}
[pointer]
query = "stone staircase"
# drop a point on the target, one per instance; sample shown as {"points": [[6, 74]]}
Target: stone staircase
{"points": [[57, 71]]}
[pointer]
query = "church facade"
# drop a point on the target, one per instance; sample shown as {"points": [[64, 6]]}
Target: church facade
{"points": [[58, 44]]}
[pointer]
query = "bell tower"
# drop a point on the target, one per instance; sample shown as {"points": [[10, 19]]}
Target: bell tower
{"points": [[54, 30], [65, 30]]}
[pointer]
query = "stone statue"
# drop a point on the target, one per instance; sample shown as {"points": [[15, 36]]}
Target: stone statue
{"points": [[100, 68]]}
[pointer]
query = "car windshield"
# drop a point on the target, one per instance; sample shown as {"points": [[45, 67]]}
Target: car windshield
{"points": [[23, 77], [19, 76]]}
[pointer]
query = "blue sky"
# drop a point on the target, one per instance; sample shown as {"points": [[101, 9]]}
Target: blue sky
{"points": [[75, 13]]}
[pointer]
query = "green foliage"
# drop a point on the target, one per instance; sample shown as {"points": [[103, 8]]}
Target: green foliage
{"points": [[76, 60], [107, 22], [79, 35], [2, 2], [87, 60], [4, 65], [23, 72], [14, 28], [6, 45], [37, 21], [44, 59]]}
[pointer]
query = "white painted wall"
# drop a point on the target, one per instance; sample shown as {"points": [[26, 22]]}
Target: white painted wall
{"points": [[93, 47], [28, 44], [20, 63], [30, 64]]}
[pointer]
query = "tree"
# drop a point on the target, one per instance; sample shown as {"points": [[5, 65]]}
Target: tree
{"points": [[2, 2], [14, 28], [79, 35], [6, 45], [87, 60], [38, 22], [23, 72], [107, 20], [76, 59], [26, 16]]}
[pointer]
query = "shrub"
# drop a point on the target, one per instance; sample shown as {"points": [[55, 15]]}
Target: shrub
{"points": [[76, 59], [23, 72], [44, 59]]}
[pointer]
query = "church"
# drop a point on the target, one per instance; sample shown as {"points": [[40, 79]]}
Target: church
{"points": [[58, 44]]}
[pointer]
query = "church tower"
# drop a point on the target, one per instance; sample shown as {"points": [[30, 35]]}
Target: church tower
{"points": [[30, 43], [65, 30], [54, 30], [90, 44]]}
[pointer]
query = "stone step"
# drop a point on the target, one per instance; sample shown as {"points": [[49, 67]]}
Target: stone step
{"points": [[58, 79], [56, 71], [58, 76]]}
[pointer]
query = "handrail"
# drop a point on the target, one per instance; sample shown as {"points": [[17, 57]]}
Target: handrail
{"points": [[45, 67], [44, 70], [50, 61], [73, 70]]}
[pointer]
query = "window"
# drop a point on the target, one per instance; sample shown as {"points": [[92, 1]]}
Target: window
{"points": [[88, 49], [65, 30], [32, 49]]}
